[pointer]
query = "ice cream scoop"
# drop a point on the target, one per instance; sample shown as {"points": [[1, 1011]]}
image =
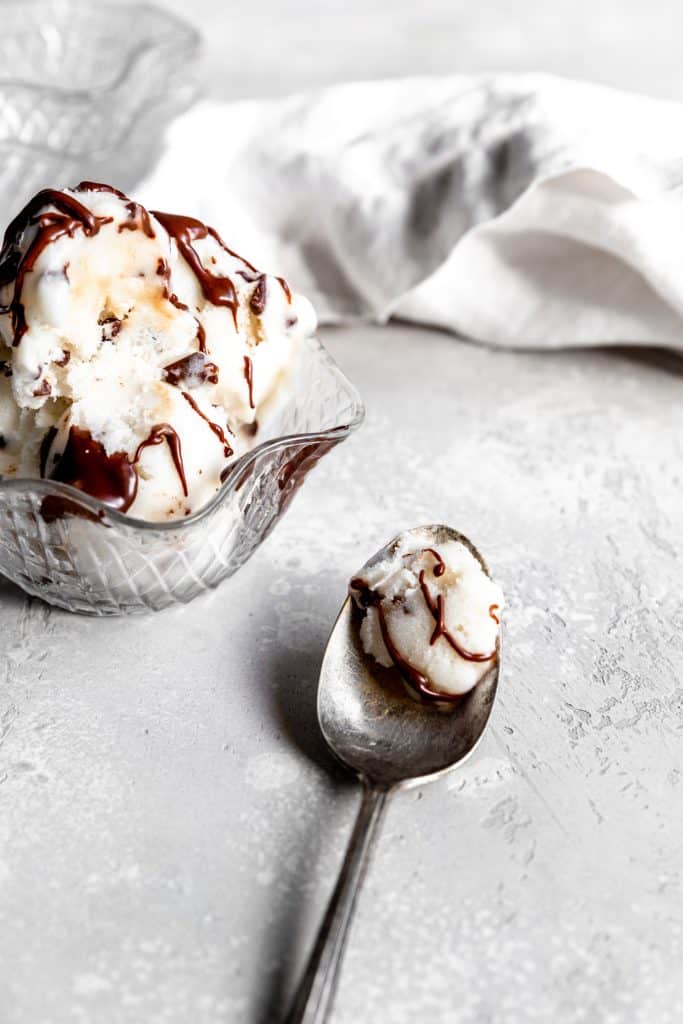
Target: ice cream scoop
{"points": [[138, 353], [431, 611]]}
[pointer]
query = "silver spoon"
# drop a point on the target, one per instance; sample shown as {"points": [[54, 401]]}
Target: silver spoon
{"points": [[389, 741]]}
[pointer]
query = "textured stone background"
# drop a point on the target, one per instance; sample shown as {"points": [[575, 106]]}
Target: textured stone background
{"points": [[170, 826]]}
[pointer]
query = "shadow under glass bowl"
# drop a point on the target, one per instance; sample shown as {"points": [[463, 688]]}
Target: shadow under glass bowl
{"points": [[74, 552], [87, 88]]}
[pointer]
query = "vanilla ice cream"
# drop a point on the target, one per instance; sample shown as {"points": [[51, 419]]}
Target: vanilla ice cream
{"points": [[137, 351], [432, 612]]}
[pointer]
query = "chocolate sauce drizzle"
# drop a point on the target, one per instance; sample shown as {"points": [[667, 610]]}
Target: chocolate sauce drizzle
{"points": [[249, 377], [220, 291], [138, 217], [201, 338], [68, 216], [286, 289], [217, 429], [164, 432], [175, 301], [257, 302], [85, 464], [436, 608], [365, 597], [249, 275], [191, 371], [440, 567], [440, 630], [112, 479], [111, 325], [138, 220], [164, 271], [97, 186], [408, 671]]}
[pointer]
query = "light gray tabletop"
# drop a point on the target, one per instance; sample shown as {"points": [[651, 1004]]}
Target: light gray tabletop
{"points": [[170, 825]]}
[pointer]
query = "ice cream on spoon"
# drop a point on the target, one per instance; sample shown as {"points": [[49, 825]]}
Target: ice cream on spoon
{"points": [[137, 351], [432, 612]]}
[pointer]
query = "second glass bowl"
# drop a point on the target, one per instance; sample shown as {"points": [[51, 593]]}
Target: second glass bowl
{"points": [[87, 88]]}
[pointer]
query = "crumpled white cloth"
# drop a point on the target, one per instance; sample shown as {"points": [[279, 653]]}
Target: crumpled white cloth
{"points": [[520, 210]]}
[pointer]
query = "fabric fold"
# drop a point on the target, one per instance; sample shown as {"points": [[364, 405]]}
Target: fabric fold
{"points": [[521, 210]]}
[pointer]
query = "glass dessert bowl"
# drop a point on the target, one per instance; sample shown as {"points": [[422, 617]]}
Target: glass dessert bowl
{"points": [[73, 551]]}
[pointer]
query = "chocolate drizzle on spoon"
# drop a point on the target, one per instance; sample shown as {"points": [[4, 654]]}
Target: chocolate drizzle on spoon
{"points": [[164, 432], [68, 216], [408, 671], [437, 609], [440, 567], [373, 599]]}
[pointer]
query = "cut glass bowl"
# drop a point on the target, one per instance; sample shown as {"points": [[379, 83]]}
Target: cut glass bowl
{"points": [[72, 551]]}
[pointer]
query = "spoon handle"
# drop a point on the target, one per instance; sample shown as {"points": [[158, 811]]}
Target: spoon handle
{"points": [[314, 997]]}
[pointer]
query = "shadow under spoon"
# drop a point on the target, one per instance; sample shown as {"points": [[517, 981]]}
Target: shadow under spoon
{"points": [[389, 740]]}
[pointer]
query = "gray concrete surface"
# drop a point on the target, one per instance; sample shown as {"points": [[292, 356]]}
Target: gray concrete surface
{"points": [[170, 825], [170, 829]]}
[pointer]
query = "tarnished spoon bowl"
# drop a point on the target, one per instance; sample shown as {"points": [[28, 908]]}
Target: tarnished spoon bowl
{"points": [[388, 739]]}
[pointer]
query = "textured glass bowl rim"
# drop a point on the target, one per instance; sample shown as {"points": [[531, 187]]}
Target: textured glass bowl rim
{"points": [[187, 36], [109, 516]]}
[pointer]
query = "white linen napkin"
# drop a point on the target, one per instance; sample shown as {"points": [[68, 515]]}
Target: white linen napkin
{"points": [[516, 209]]}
